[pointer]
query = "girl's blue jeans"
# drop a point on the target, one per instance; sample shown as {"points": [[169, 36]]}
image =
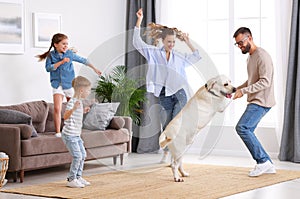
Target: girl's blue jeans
{"points": [[76, 148], [245, 129]]}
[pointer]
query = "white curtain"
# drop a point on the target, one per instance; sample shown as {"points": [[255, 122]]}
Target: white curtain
{"points": [[283, 13]]}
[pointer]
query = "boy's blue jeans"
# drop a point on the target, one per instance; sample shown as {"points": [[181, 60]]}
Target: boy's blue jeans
{"points": [[75, 146], [245, 129]]}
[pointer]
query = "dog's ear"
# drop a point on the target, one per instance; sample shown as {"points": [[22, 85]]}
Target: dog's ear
{"points": [[210, 83]]}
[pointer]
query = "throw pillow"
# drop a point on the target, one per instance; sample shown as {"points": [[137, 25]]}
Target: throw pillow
{"points": [[38, 110], [99, 116], [116, 122], [16, 117]]}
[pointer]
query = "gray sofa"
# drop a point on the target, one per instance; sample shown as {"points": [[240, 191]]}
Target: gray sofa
{"points": [[45, 150]]}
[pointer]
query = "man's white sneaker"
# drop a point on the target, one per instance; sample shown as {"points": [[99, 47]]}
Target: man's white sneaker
{"points": [[271, 170], [264, 168], [83, 181], [75, 184], [58, 135]]}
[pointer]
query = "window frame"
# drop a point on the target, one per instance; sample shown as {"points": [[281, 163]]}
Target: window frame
{"points": [[236, 61]]}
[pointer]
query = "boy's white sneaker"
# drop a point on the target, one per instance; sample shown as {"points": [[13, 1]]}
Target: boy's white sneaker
{"points": [[75, 184], [83, 181], [264, 168]]}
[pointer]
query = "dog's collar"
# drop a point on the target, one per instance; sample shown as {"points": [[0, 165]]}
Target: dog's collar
{"points": [[211, 92]]}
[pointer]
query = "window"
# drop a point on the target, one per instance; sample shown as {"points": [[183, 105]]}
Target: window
{"points": [[211, 24]]}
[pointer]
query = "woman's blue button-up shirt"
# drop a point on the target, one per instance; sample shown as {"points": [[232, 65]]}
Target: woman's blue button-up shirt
{"points": [[162, 73]]}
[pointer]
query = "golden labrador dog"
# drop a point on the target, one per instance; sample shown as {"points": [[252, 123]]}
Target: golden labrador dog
{"points": [[196, 114]]}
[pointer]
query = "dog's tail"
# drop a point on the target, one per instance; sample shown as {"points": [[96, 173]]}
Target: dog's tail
{"points": [[164, 140]]}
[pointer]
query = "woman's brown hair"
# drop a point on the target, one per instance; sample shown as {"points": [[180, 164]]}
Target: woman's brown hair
{"points": [[58, 37], [157, 31]]}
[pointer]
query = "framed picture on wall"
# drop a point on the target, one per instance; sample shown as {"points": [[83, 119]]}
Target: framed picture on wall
{"points": [[45, 26], [12, 26]]}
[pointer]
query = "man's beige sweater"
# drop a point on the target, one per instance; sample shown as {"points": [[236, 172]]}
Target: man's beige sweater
{"points": [[260, 85]]}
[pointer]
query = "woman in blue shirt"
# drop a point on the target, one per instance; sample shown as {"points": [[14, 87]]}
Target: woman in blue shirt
{"points": [[166, 76], [59, 64]]}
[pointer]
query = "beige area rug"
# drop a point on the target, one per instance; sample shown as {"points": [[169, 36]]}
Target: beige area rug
{"points": [[206, 181]]}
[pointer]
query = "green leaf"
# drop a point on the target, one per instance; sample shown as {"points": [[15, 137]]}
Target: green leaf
{"points": [[117, 87]]}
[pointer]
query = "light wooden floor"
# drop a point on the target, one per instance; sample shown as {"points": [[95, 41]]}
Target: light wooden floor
{"points": [[284, 190]]}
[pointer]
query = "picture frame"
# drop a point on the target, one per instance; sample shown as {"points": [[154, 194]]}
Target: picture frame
{"points": [[45, 26], [12, 27]]}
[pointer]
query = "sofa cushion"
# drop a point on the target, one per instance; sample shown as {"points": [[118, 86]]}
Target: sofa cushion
{"points": [[98, 138], [50, 122], [116, 122], [16, 117], [38, 110], [45, 143], [99, 116]]}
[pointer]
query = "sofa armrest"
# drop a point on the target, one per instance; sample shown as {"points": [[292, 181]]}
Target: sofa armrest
{"points": [[128, 126], [10, 143]]}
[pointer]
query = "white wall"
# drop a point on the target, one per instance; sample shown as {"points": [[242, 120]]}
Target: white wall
{"points": [[87, 24]]}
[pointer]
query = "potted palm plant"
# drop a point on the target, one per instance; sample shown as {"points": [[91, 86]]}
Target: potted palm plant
{"points": [[117, 87]]}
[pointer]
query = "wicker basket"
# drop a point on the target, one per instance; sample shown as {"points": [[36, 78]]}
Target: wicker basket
{"points": [[3, 169]]}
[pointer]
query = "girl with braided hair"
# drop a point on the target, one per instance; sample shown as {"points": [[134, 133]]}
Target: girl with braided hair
{"points": [[166, 76], [59, 64]]}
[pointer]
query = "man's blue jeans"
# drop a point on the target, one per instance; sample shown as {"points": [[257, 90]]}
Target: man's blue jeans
{"points": [[172, 105], [76, 148], [245, 129]]}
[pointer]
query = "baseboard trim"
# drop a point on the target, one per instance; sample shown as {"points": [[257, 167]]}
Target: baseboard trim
{"points": [[203, 153]]}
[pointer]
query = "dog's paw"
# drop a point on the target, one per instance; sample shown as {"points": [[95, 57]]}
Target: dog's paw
{"points": [[178, 180]]}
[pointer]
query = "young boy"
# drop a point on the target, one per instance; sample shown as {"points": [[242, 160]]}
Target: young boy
{"points": [[72, 130]]}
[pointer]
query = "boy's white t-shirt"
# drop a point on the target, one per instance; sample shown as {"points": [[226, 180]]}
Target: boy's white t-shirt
{"points": [[73, 125]]}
